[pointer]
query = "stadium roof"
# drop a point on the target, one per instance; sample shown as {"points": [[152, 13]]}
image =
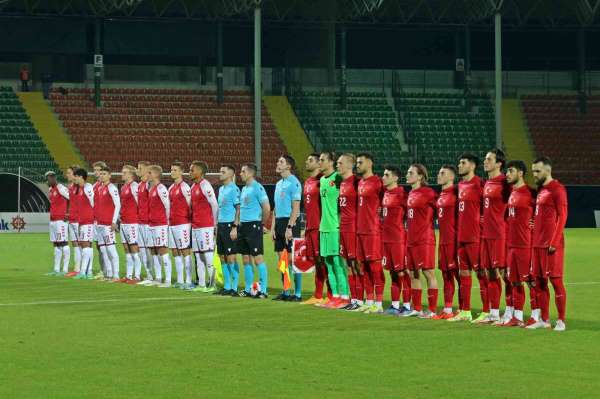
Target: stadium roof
{"points": [[516, 13]]}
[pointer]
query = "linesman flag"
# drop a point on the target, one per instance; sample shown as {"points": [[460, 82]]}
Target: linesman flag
{"points": [[283, 268], [302, 264]]}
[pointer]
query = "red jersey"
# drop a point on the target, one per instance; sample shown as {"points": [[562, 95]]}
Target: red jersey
{"points": [[495, 197], [550, 216], [158, 205], [73, 210], [446, 215], [59, 201], [204, 205], [108, 204], [419, 220], [312, 202], [95, 187], [143, 199], [469, 210], [180, 198], [348, 197], [370, 192], [84, 198], [393, 209], [129, 203], [520, 213]]}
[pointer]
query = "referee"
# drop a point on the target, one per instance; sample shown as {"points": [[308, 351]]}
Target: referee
{"points": [[288, 193]]}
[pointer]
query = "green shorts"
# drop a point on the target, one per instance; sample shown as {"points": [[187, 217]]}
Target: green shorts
{"points": [[329, 243]]}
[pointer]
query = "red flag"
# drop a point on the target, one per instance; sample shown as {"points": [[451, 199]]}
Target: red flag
{"points": [[302, 264]]}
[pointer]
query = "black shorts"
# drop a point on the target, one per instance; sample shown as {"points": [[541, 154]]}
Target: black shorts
{"points": [[250, 238], [225, 245], [280, 228]]}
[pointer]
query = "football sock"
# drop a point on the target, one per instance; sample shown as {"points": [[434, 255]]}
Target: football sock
{"points": [[518, 296], [86, 254], [396, 304], [128, 265], [416, 299], [157, 268], [226, 276], [200, 270], [77, 256], [560, 296], [341, 274], [352, 285], [166, 260], [114, 259], [263, 277], [483, 292], [320, 278], [406, 296], [378, 279], [137, 265], [368, 284], [297, 283], [66, 253], [508, 299], [248, 277], [494, 292], [432, 299], [331, 275], [211, 271], [179, 268], [533, 298], [57, 255], [187, 264], [396, 287], [466, 282], [449, 288], [543, 298], [107, 266], [235, 275]]}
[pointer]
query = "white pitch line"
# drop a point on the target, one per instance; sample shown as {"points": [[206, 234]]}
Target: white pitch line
{"points": [[67, 302]]}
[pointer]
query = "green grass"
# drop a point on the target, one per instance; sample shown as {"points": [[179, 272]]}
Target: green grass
{"points": [[118, 341]]}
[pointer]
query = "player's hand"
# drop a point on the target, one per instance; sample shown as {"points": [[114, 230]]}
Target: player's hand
{"points": [[288, 235], [113, 227], [233, 234], [551, 250]]}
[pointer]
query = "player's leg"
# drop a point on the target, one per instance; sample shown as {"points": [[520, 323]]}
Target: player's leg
{"points": [[508, 295], [177, 258], [481, 267], [263, 277], [556, 262], [542, 291], [73, 229], [111, 250], [466, 282]]}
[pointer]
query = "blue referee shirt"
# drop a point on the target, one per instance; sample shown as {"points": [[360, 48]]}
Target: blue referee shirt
{"points": [[229, 198], [287, 190], [251, 200]]}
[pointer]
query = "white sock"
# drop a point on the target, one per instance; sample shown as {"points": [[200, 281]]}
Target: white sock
{"points": [[447, 310], [187, 261], [519, 315], [114, 259], [200, 270], [345, 297], [157, 268], [137, 265], [86, 260], [379, 304], [179, 269], [359, 302], [129, 265], [396, 304], [508, 312], [495, 313], [57, 255], [77, 255], [105, 262], [369, 302], [102, 262], [406, 305], [66, 258], [535, 314], [209, 258], [166, 260]]}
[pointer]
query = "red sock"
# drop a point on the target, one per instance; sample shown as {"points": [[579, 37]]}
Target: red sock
{"points": [[456, 276], [416, 299], [352, 286], [448, 288], [358, 287], [320, 277], [560, 296], [368, 284], [406, 288], [543, 298], [466, 282], [378, 279], [518, 296], [329, 294], [532, 298], [483, 292], [494, 292], [508, 291], [432, 299], [396, 287]]}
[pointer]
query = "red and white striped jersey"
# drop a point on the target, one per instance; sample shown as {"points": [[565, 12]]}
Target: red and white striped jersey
{"points": [[158, 206], [59, 201], [108, 204], [129, 203], [180, 200], [204, 205]]}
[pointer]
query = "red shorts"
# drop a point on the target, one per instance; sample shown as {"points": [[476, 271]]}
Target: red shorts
{"points": [[545, 264], [369, 247], [493, 253], [519, 264], [447, 259], [420, 257], [468, 255], [348, 244], [311, 240], [394, 256]]}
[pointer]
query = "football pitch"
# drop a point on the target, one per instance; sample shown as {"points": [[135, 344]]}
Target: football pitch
{"points": [[64, 338]]}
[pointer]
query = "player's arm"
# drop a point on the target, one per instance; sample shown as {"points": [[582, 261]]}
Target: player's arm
{"points": [[88, 190], [272, 224], [62, 190], [560, 201], [263, 200], [236, 222], [134, 191], [163, 194], [116, 199], [210, 196], [187, 193]]}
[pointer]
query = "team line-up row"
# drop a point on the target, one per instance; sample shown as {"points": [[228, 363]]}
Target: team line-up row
{"points": [[357, 225]]}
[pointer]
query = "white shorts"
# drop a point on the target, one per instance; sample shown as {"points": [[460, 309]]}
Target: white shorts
{"points": [[203, 239], [129, 234], [159, 236], [86, 233], [73, 232], [179, 236], [58, 231], [144, 240], [105, 235]]}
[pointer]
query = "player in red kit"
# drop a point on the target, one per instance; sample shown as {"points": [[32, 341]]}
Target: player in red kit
{"points": [[129, 225], [393, 209], [420, 241], [158, 220], [312, 209], [180, 225], [59, 204], [520, 214], [470, 193], [107, 214], [447, 249], [73, 215], [368, 228], [493, 236], [144, 238], [549, 243]]}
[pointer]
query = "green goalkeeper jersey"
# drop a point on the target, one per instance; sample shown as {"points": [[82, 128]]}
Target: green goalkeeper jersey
{"points": [[330, 193]]}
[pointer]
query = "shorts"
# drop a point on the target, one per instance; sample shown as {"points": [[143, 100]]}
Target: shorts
{"points": [[493, 254], [421, 257], [105, 235], [468, 255], [394, 256], [203, 239], [546, 265], [179, 236], [144, 240], [250, 238], [159, 236], [225, 245], [129, 234], [447, 257], [280, 229], [369, 247], [519, 264], [329, 243], [348, 245], [73, 231], [58, 231], [311, 240], [86, 233]]}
